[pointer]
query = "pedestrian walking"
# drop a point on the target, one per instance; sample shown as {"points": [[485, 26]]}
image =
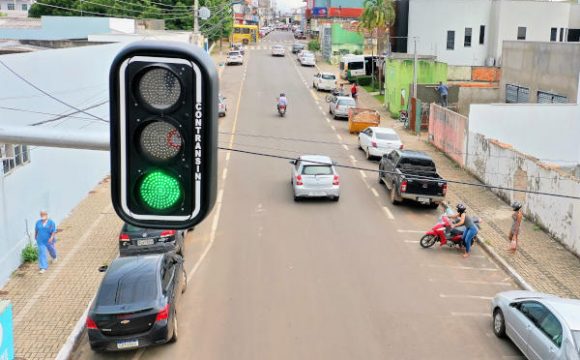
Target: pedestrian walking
{"points": [[45, 235], [470, 227], [354, 91], [443, 91], [517, 217]]}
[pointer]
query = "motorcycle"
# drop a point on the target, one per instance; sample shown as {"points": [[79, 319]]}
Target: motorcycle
{"points": [[443, 233], [282, 110]]}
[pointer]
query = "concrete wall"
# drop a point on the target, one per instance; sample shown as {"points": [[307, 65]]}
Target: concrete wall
{"points": [[458, 73], [547, 66], [475, 95], [430, 20], [399, 75], [448, 132], [545, 131], [498, 164], [537, 16], [126, 26]]}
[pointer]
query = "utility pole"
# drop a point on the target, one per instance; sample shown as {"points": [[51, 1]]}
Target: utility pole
{"points": [[195, 22]]}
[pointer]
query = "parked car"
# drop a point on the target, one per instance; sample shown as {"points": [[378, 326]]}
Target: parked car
{"points": [[297, 47], [278, 50], [404, 173], [339, 106], [136, 304], [324, 81], [235, 57], [378, 141], [222, 106], [299, 35], [238, 47], [135, 240], [314, 176], [542, 326], [308, 59]]}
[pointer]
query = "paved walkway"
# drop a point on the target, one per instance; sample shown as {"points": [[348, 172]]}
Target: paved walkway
{"points": [[540, 260]]}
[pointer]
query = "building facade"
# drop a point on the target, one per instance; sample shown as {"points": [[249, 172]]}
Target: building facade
{"points": [[471, 32], [15, 7]]}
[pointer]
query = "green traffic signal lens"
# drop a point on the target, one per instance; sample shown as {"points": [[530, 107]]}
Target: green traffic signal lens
{"points": [[160, 191]]}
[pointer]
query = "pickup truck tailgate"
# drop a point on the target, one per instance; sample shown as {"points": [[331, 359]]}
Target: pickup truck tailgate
{"points": [[424, 187]]}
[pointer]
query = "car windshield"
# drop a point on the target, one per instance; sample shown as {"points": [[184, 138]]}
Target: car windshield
{"points": [[310, 55], [347, 102], [234, 53], [328, 77], [317, 170], [387, 136]]}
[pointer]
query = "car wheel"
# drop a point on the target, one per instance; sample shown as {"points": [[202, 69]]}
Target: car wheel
{"points": [[329, 111], [433, 205], [394, 199], [498, 323], [336, 198], [379, 177], [296, 198], [174, 336], [368, 154]]}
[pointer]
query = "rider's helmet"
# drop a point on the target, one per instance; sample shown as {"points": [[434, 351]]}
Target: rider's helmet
{"points": [[516, 206], [461, 208], [282, 94]]}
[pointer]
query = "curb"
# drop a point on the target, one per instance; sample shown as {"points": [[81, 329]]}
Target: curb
{"points": [[66, 350], [505, 266]]}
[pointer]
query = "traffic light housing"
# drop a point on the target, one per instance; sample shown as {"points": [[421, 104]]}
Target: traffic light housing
{"points": [[163, 103]]}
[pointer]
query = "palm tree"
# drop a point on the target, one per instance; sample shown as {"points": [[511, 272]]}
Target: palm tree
{"points": [[377, 16]]}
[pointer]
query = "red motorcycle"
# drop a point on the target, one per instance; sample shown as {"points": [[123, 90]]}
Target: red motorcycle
{"points": [[443, 233]]}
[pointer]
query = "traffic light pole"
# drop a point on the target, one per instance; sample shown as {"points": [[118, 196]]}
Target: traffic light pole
{"points": [[36, 136]]}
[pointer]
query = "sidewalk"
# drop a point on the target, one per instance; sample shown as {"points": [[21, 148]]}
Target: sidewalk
{"points": [[47, 306], [540, 260]]}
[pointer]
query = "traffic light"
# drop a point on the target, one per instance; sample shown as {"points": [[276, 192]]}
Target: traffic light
{"points": [[163, 102]]}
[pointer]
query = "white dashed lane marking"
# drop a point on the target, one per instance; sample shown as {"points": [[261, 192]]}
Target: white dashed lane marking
{"points": [[461, 296]]}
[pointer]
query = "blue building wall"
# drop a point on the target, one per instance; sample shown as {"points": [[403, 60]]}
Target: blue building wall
{"points": [[60, 28]]}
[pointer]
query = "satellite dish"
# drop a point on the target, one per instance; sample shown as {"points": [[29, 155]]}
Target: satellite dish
{"points": [[204, 13]]}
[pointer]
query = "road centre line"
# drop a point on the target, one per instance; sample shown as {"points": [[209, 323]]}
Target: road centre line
{"points": [[332, 127], [363, 174], [327, 119], [225, 174], [339, 137], [472, 314], [473, 282], [375, 193], [411, 241], [410, 231], [352, 158], [345, 147], [323, 113], [460, 296], [389, 213]]}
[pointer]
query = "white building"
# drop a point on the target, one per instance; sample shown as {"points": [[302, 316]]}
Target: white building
{"points": [[15, 7], [34, 178], [471, 32]]}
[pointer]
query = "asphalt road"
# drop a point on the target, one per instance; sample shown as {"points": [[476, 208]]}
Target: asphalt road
{"points": [[274, 279]]}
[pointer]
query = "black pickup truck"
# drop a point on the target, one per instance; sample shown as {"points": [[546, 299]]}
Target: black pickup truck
{"points": [[412, 175]]}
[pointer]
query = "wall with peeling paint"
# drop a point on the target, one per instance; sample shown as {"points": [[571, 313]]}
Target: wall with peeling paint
{"points": [[546, 131], [496, 163]]}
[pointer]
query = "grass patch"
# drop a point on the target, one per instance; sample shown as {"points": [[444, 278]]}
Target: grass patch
{"points": [[380, 98], [537, 228]]}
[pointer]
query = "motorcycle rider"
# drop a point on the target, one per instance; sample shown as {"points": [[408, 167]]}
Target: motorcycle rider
{"points": [[448, 212], [282, 101], [470, 228]]}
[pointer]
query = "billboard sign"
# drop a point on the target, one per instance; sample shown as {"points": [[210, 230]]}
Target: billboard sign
{"points": [[319, 12]]}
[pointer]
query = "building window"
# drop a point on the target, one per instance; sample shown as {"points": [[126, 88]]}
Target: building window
{"points": [[481, 34], [550, 98], [24, 7], [516, 94], [561, 34], [553, 34], [13, 156], [11, 6], [450, 40], [467, 39], [522, 32]]}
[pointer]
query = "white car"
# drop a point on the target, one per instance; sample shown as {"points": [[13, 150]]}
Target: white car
{"points": [[307, 59], [222, 106], [278, 50], [377, 141], [235, 57], [314, 176], [542, 326], [324, 81], [340, 105]]}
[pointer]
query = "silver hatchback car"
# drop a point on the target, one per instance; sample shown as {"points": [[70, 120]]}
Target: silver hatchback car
{"points": [[314, 176], [542, 326]]}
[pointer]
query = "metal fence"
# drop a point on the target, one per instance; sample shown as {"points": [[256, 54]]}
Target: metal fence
{"points": [[448, 132]]}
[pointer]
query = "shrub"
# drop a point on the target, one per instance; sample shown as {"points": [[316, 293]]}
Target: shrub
{"points": [[357, 52], [29, 253], [313, 45]]}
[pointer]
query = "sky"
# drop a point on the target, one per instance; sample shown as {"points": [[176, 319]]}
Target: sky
{"points": [[287, 5]]}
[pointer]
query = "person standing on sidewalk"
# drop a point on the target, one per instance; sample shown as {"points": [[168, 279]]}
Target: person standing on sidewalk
{"points": [[354, 91], [45, 235], [443, 91], [517, 217]]}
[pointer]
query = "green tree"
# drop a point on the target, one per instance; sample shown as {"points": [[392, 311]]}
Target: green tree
{"points": [[37, 10], [377, 16]]}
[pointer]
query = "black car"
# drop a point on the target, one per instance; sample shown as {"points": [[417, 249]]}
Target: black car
{"points": [[296, 47], [136, 305], [135, 240]]}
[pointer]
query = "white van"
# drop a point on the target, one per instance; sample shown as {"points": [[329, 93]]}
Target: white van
{"points": [[352, 66]]}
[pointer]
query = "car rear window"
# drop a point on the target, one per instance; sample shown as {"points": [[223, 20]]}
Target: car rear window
{"points": [[328, 77], [419, 164], [347, 102], [317, 170], [387, 136], [308, 55], [128, 288], [234, 53]]}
